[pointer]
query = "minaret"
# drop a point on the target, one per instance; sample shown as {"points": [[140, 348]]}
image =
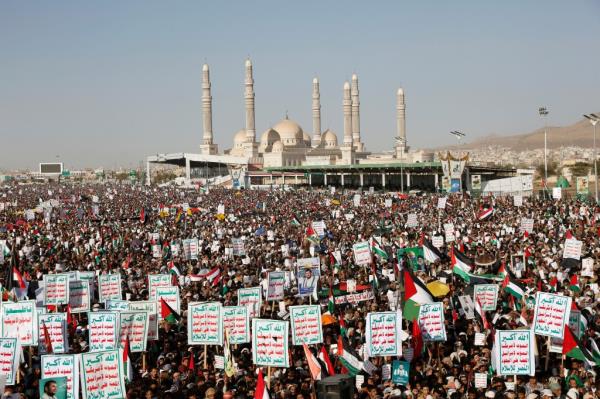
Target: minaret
{"points": [[347, 115], [250, 147], [400, 123], [355, 114], [316, 113], [207, 146]]}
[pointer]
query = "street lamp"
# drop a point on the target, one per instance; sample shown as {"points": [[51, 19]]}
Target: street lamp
{"points": [[593, 118], [543, 111]]}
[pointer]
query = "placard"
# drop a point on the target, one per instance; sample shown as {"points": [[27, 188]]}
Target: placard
{"points": [[275, 288], [56, 324], [356, 200], [79, 296], [237, 324], [152, 308], [441, 204], [518, 200], [556, 193], [158, 280], [171, 297], [400, 371], [103, 330], [238, 247], [19, 320], [133, 324], [587, 267], [102, 375], [481, 380], [56, 289], [109, 287], [63, 366], [551, 314], [10, 354], [467, 306], [308, 280], [270, 343], [449, 232], [205, 324], [319, 227], [384, 334], [251, 298], [526, 225], [411, 220], [362, 253], [437, 241], [514, 352], [487, 294], [117, 305], [572, 249], [306, 324], [431, 321]]}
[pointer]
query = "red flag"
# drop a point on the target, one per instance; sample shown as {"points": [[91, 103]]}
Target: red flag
{"points": [[19, 278], [261, 391], [143, 216], [568, 235], [417, 339], [324, 357], [422, 239], [71, 321], [47, 340], [191, 363]]}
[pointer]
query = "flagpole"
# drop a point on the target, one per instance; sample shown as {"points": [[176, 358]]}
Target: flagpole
{"points": [[269, 377], [205, 356]]}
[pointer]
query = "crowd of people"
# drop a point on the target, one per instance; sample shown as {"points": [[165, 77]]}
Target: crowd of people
{"points": [[109, 228]]}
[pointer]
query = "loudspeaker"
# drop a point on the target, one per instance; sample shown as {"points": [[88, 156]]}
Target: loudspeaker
{"points": [[339, 386]]}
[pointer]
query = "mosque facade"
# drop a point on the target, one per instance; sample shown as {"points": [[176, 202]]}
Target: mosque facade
{"points": [[287, 144]]}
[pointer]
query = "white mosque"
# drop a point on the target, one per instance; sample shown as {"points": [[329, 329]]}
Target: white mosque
{"points": [[286, 144]]}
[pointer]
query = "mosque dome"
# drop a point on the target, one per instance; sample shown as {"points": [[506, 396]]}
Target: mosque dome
{"points": [[290, 132], [329, 139], [267, 139], [278, 146], [239, 138]]}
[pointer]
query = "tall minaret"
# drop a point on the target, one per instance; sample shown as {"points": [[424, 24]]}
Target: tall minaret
{"points": [[249, 96], [347, 115], [207, 146], [355, 114], [400, 123], [316, 113]]}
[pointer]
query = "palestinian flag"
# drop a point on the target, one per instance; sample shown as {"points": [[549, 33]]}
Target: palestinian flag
{"points": [[175, 273], [502, 271], [415, 295], [18, 277], [324, 358], [513, 287], [461, 264], [485, 213], [47, 339], [343, 329], [313, 363], [573, 348], [261, 391], [348, 357], [574, 284], [312, 236], [431, 253], [595, 351], [127, 366], [295, 221], [168, 313], [377, 249]]}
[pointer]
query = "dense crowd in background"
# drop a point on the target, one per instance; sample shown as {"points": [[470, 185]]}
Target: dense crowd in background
{"points": [[99, 228]]}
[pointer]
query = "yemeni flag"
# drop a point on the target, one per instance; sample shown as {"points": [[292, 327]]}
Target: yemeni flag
{"points": [[574, 284], [261, 388], [485, 212], [431, 253], [18, 277], [348, 357], [415, 295], [377, 249], [573, 348], [324, 358], [127, 366], [481, 314], [295, 221], [461, 264], [513, 287], [47, 339], [168, 313], [312, 236], [175, 273], [313, 363]]}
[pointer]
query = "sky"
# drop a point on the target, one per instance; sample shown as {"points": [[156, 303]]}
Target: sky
{"points": [[104, 84]]}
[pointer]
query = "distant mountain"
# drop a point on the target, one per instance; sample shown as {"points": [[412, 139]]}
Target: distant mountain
{"points": [[578, 134]]}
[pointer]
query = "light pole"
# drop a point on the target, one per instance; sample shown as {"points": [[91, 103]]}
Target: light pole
{"points": [[593, 118], [543, 111]]}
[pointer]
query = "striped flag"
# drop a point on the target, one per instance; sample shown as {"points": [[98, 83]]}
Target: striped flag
{"points": [[261, 391], [324, 357], [513, 288], [480, 312], [431, 253], [415, 295], [348, 357], [18, 277], [295, 221], [377, 249], [313, 364], [461, 264], [485, 213], [127, 366], [574, 349], [312, 236], [47, 339], [168, 313]]}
